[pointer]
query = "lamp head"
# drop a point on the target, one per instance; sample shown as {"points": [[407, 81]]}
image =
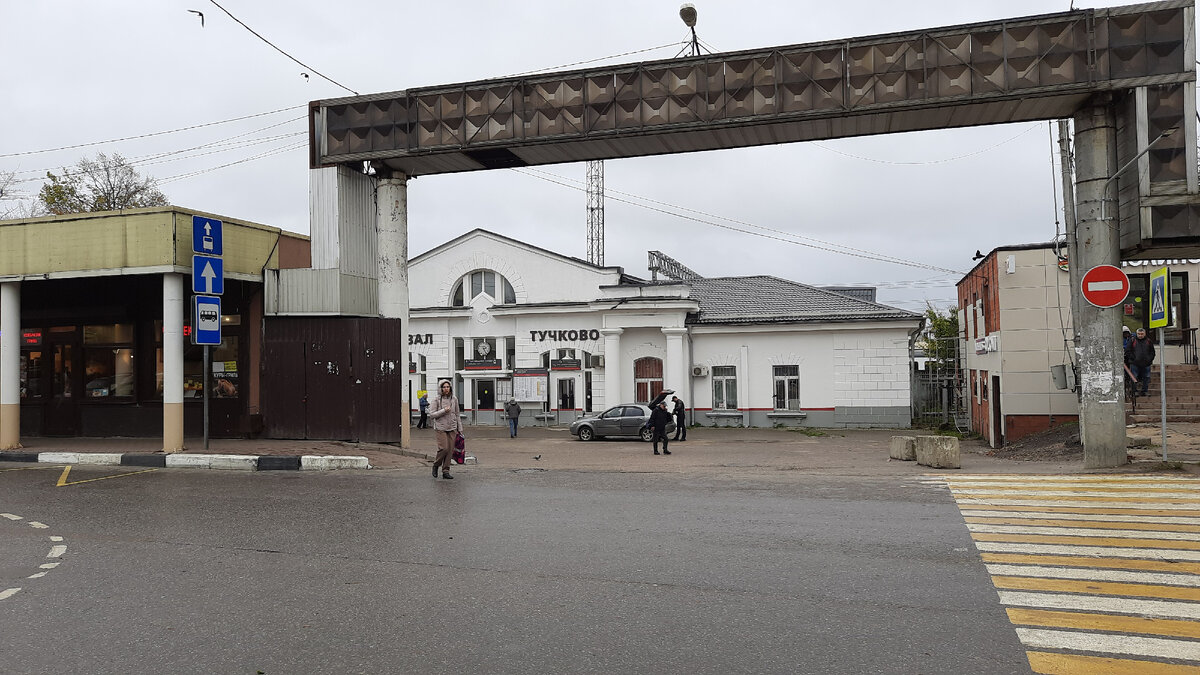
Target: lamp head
{"points": [[687, 12]]}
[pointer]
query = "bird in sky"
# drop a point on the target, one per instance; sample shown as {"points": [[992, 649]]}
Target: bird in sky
{"points": [[305, 76], [200, 14]]}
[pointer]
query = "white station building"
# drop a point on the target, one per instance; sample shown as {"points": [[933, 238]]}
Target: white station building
{"points": [[503, 319]]}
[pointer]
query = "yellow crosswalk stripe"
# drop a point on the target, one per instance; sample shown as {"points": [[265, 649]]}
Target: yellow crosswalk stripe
{"points": [[1048, 663], [1094, 524], [1097, 587], [1088, 509], [1087, 541], [1098, 574], [1105, 622]]}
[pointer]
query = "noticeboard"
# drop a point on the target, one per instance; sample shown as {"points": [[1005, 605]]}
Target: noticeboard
{"points": [[530, 384]]}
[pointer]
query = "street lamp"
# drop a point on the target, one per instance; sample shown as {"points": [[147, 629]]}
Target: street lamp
{"points": [[1104, 189], [687, 12]]}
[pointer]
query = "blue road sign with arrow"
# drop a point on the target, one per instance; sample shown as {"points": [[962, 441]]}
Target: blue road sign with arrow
{"points": [[206, 235], [208, 275]]}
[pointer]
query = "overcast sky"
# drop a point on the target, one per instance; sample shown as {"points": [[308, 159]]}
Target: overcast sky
{"points": [[81, 71]]}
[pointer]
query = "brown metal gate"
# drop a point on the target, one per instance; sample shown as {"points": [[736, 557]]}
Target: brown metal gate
{"points": [[333, 378]]}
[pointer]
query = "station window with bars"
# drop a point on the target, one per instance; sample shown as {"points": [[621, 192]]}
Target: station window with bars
{"points": [[724, 383], [787, 388]]}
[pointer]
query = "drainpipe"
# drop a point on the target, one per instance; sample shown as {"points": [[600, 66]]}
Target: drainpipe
{"points": [[691, 381]]}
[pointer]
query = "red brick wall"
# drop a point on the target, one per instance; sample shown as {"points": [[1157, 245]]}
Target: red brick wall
{"points": [[1017, 427], [981, 282]]}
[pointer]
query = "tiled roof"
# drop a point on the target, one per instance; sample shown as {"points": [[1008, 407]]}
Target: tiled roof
{"points": [[766, 299]]}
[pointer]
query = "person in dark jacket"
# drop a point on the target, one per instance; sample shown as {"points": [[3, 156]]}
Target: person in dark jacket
{"points": [[659, 419], [680, 422], [423, 404], [512, 410], [1141, 355]]}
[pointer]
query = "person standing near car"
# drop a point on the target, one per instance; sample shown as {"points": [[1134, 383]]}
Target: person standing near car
{"points": [[659, 419], [1141, 355], [513, 410], [680, 421], [447, 424]]}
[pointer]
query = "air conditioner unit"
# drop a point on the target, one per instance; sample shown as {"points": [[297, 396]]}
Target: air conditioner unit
{"points": [[699, 371], [597, 360]]}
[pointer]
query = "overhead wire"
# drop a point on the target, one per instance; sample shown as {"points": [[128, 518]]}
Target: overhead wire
{"points": [[874, 255], [276, 48], [828, 247], [603, 58]]}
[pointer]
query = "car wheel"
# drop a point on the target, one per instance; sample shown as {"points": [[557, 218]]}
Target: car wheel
{"points": [[647, 435], [586, 434]]}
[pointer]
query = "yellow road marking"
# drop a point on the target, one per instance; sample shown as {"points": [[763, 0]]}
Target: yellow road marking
{"points": [[33, 468], [62, 480], [1071, 664], [1097, 587], [1106, 622], [1084, 561], [1077, 487], [1087, 541], [1075, 498], [1098, 524], [1080, 509]]}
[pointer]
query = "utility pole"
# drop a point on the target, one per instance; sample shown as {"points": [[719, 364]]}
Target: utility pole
{"points": [[1074, 274]]}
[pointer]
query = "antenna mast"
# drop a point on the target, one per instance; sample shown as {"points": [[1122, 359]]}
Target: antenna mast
{"points": [[595, 211]]}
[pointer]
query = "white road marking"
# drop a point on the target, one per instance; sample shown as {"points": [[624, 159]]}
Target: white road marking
{"points": [[56, 538], [40, 526], [49, 566], [1107, 605], [1156, 506], [1085, 551], [1195, 496], [1111, 517], [39, 575], [1083, 532], [1040, 638], [8, 593], [10, 516], [56, 551], [1093, 574]]}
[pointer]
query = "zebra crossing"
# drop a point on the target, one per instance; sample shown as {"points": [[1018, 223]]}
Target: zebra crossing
{"points": [[1098, 573]]}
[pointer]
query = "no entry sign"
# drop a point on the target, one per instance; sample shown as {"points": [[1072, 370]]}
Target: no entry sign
{"points": [[1105, 286]]}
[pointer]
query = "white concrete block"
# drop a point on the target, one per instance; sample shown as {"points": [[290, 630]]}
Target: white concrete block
{"points": [[331, 462], [938, 452], [904, 448], [105, 458], [182, 461]]}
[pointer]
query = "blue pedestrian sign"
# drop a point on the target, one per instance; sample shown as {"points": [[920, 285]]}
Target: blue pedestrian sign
{"points": [[208, 275], [1160, 288], [206, 235], [206, 320]]}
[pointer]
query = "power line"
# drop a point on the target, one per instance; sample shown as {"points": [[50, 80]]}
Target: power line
{"points": [[847, 249], [156, 133], [868, 256], [260, 37], [603, 58], [276, 151]]}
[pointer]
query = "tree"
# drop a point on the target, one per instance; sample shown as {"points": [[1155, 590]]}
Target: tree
{"points": [[940, 339], [14, 203], [107, 183]]}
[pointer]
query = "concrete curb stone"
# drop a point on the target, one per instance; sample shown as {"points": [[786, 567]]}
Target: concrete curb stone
{"points": [[194, 461]]}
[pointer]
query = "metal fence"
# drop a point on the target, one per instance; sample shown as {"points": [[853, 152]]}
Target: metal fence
{"points": [[938, 384]]}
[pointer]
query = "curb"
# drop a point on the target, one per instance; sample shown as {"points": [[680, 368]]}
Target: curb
{"points": [[194, 461]]}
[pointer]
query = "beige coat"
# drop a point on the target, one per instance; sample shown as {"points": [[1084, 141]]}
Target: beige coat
{"points": [[445, 420]]}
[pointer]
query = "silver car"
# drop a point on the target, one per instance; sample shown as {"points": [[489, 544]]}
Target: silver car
{"points": [[626, 420]]}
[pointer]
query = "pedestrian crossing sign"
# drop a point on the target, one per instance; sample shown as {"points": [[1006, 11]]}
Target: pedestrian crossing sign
{"points": [[1160, 290]]}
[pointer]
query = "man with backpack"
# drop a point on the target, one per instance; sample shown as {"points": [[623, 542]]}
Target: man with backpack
{"points": [[1140, 354]]}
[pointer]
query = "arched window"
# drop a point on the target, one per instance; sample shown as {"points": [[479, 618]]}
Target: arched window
{"points": [[482, 282], [647, 378]]}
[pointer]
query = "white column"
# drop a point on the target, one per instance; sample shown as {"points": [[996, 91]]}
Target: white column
{"points": [[612, 366], [675, 371], [743, 384], [173, 363], [10, 365], [391, 222]]}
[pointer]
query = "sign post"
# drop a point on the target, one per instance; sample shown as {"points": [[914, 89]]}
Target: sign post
{"points": [[1160, 316], [1105, 286], [208, 283]]}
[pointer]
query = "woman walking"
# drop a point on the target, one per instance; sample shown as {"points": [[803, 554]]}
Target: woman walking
{"points": [[446, 426]]}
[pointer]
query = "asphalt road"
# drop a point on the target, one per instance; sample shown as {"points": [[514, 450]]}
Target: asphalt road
{"points": [[498, 571]]}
